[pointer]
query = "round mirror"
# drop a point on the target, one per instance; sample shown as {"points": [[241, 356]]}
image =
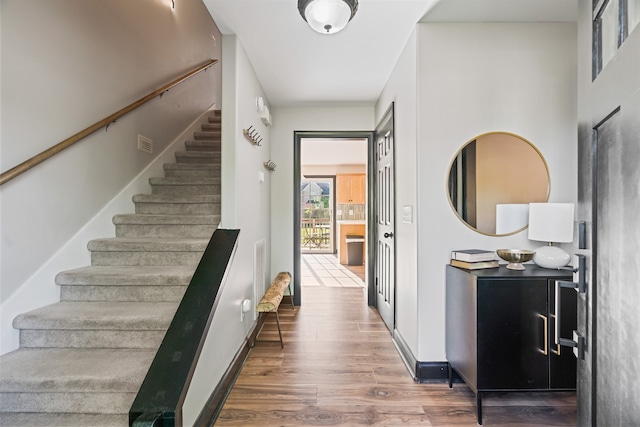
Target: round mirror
{"points": [[492, 180]]}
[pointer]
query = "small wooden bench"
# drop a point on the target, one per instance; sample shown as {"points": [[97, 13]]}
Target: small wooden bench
{"points": [[271, 300]]}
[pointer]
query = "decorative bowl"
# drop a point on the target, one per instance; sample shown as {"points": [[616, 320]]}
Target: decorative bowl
{"points": [[515, 257]]}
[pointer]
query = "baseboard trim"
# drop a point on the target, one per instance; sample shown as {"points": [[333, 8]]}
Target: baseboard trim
{"points": [[407, 356], [422, 372], [434, 372], [211, 410]]}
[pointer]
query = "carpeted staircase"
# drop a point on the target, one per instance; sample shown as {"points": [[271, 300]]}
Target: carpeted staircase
{"points": [[81, 361]]}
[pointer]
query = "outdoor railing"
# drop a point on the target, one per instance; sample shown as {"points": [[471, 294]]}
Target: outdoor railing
{"points": [[315, 233]]}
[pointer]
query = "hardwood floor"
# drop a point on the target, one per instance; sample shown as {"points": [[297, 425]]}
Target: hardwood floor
{"points": [[339, 367]]}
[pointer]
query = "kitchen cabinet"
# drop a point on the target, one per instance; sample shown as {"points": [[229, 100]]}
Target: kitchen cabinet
{"points": [[351, 189], [500, 328], [346, 228]]}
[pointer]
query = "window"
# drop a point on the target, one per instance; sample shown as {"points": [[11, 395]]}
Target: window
{"points": [[633, 10], [613, 20]]}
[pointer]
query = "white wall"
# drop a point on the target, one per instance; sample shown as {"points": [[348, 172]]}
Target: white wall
{"points": [[401, 89], [65, 65], [472, 79], [286, 120], [245, 205]]}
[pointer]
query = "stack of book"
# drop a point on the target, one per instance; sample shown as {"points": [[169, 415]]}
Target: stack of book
{"points": [[474, 259]]}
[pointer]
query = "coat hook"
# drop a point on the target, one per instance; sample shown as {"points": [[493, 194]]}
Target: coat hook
{"points": [[252, 135]]}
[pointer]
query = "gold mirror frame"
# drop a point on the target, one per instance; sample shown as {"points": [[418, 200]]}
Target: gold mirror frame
{"points": [[501, 144]]}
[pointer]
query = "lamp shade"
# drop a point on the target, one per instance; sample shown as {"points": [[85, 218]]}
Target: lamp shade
{"points": [[551, 222], [327, 16]]}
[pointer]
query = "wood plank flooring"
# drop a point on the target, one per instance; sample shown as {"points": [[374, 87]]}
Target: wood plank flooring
{"points": [[339, 367]]}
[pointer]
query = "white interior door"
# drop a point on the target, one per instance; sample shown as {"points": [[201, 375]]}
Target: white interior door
{"points": [[385, 222]]}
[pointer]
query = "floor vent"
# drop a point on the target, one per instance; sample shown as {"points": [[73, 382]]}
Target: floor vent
{"points": [[145, 144], [259, 272]]}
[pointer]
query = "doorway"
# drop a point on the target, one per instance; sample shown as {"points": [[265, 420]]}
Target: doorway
{"points": [[332, 200]]}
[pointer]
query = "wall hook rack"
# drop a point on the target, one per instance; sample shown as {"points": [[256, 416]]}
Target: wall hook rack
{"points": [[270, 165], [252, 135]]}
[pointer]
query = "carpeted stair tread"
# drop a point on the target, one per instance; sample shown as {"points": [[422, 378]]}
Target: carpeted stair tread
{"points": [[209, 169], [74, 370], [99, 316], [171, 275], [164, 204], [210, 156], [22, 419], [186, 199], [213, 143], [184, 181], [124, 292], [191, 166], [215, 125], [204, 157], [150, 244], [203, 146], [163, 219], [207, 135]]}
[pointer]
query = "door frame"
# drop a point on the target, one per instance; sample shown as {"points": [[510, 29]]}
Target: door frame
{"points": [[298, 136]]}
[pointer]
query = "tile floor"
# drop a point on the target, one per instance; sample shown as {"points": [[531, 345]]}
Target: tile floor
{"points": [[325, 270]]}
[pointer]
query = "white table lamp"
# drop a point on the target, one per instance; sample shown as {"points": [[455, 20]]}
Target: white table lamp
{"points": [[551, 222]]}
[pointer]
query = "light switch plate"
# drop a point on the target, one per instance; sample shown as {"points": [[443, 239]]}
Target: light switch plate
{"points": [[407, 214]]}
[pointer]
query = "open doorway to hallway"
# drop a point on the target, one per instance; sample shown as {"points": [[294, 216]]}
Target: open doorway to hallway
{"points": [[333, 205], [332, 210]]}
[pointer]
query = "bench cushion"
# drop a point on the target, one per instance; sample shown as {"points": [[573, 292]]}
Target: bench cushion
{"points": [[271, 299]]}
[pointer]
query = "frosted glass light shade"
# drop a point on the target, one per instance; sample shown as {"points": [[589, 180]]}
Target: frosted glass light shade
{"points": [[327, 16], [551, 222]]}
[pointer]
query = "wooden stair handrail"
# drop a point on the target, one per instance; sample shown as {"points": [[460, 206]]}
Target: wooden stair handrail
{"points": [[52, 151]]}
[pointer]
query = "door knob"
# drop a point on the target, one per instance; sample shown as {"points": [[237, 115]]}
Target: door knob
{"points": [[388, 235]]}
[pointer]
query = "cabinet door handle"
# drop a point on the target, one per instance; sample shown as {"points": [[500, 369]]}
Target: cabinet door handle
{"points": [[555, 351], [546, 333]]}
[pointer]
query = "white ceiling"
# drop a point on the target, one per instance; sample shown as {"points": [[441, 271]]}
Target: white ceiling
{"points": [[326, 151], [298, 67]]}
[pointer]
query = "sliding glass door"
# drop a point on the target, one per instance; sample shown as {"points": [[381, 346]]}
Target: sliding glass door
{"points": [[316, 215]]}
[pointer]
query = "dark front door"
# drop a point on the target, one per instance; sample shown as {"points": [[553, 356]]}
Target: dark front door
{"points": [[609, 195], [617, 204]]}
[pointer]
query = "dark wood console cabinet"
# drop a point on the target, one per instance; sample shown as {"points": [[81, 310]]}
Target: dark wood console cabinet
{"points": [[500, 327]]}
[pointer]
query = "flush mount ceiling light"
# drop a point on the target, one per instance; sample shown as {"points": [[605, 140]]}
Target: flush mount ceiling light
{"points": [[327, 16]]}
